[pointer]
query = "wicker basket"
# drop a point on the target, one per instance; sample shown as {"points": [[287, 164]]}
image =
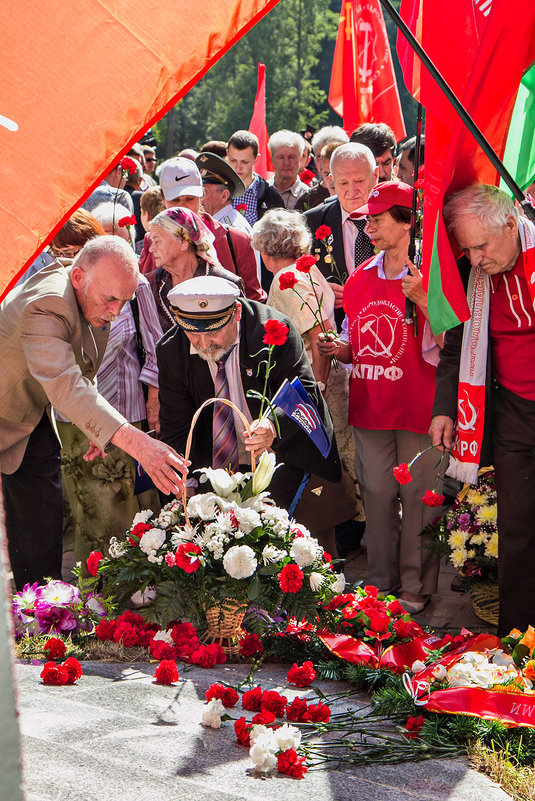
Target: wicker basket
{"points": [[224, 626], [486, 603]]}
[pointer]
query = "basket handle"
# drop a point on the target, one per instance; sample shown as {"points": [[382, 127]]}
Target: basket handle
{"points": [[190, 438]]}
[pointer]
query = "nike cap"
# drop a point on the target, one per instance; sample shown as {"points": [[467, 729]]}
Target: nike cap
{"points": [[179, 176]]}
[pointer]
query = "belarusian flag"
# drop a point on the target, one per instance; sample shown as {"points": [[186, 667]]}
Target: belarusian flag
{"points": [[520, 149], [471, 52]]}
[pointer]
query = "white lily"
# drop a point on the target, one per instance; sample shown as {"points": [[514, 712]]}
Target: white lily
{"points": [[264, 472]]}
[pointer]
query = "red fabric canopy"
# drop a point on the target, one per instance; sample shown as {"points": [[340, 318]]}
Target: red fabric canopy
{"points": [[80, 84]]}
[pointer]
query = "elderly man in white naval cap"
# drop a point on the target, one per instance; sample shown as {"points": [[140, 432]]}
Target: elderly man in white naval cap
{"points": [[217, 350]]}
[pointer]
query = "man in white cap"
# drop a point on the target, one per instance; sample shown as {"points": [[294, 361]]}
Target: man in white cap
{"points": [[218, 349], [182, 185]]}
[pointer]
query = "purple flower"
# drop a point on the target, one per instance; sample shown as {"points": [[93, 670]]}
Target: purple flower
{"points": [[54, 618], [25, 599], [464, 521], [94, 604], [58, 593]]}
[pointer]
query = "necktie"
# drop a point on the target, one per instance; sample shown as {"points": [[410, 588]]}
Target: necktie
{"points": [[363, 245], [225, 442]]}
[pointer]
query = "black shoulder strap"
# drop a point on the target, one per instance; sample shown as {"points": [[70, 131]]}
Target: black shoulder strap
{"points": [[140, 350], [232, 253]]}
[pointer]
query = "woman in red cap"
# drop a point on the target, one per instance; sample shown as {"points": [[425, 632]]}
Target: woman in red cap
{"points": [[392, 387]]}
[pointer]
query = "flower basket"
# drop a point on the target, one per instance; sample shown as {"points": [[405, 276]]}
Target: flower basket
{"points": [[224, 626], [485, 600]]}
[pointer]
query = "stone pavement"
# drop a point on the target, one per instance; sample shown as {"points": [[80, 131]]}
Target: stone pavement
{"points": [[117, 736]]}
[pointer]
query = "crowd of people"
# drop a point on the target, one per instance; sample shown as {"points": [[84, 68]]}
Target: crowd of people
{"points": [[156, 295]]}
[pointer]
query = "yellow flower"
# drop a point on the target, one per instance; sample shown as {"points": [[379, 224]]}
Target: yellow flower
{"points": [[475, 498], [487, 514], [458, 557], [491, 548], [478, 539], [457, 539]]}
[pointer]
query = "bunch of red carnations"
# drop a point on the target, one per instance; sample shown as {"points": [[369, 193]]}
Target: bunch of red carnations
{"points": [[60, 673]]}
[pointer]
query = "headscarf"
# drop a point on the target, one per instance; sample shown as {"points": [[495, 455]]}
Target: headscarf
{"points": [[187, 225]]}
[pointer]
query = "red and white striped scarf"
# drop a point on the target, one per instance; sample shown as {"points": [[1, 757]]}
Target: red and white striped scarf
{"points": [[466, 451]]}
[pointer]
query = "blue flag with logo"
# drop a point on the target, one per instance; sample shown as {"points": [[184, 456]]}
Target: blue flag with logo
{"points": [[295, 402]]}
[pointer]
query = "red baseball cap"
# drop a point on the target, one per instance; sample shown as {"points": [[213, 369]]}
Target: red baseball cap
{"points": [[385, 195]]}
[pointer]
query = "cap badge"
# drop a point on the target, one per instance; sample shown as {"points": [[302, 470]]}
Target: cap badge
{"points": [[203, 303]]}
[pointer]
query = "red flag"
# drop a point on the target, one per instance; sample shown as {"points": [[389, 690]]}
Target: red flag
{"points": [[83, 88], [258, 126], [363, 86], [482, 58]]}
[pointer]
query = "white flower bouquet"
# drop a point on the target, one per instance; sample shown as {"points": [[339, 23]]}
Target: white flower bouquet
{"points": [[233, 545]]}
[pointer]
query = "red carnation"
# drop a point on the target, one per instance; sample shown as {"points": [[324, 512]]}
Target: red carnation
{"points": [[54, 674], [290, 763], [124, 222], [264, 718], [402, 473], [432, 498], [105, 630], [379, 622], [252, 699], [301, 675], [250, 645], [128, 165], [272, 701], [74, 670], [275, 333], [170, 559], [56, 648], [131, 617], [305, 263], [287, 281], [323, 232], [127, 634], [137, 532], [318, 713], [207, 656], [93, 561], [307, 176], [241, 207], [188, 557], [395, 608], [243, 730], [183, 632], [227, 695], [166, 672], [291, 578], [297, 710], [161, 650], [413, 727]]}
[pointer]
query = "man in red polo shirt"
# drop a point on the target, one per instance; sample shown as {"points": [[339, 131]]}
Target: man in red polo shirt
{"points": [[486, 381]]}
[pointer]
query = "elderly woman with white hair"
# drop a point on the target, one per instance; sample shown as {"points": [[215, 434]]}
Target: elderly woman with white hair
{"points": [[282, 237], [116, 220]]}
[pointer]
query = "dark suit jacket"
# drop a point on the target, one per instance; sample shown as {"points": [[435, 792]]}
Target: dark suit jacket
{"points": [[185, 383], [330, 214]]}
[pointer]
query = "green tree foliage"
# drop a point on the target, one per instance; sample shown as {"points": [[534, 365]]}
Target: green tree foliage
{"points": [[296, 43]]}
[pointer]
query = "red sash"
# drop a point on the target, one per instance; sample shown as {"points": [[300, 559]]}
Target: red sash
{"points": [[391, 386]]}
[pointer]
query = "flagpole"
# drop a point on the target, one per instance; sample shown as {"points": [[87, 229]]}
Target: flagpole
{"points": [[527, 208], [410, 306]]}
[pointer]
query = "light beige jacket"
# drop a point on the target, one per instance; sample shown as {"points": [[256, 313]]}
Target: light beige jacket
{"points": [[49, 356]]}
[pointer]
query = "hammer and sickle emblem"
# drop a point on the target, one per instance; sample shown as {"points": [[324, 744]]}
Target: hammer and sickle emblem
{"points": [[468, 425]]}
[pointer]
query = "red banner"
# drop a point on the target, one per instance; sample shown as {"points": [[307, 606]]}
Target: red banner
{"points": [[397, 658], [363, 85], [81, 84], [258, 126]]}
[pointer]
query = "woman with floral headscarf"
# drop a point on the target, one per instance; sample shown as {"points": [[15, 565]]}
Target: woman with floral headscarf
{"points": [[182, 248]]}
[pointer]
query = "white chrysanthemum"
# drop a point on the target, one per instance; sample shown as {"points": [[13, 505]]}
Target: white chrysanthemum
{"points": [[477, 539], [142, 517], [270, 554], [211, 714], [458, 557], [240, 561], [305, 550], [157, 560], [491, 548], [165, 636], [487, 514], [166, 518], [457, 538], [183, 534], [222, 524], [288, 737], [247, 518], [277, 518], [316, 580], [151, 540], [117, 548], [203, 506], [339, 584]]}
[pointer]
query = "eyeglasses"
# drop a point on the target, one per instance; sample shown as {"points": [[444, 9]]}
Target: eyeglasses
{"points": [[148, 158], [68, 252]]}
